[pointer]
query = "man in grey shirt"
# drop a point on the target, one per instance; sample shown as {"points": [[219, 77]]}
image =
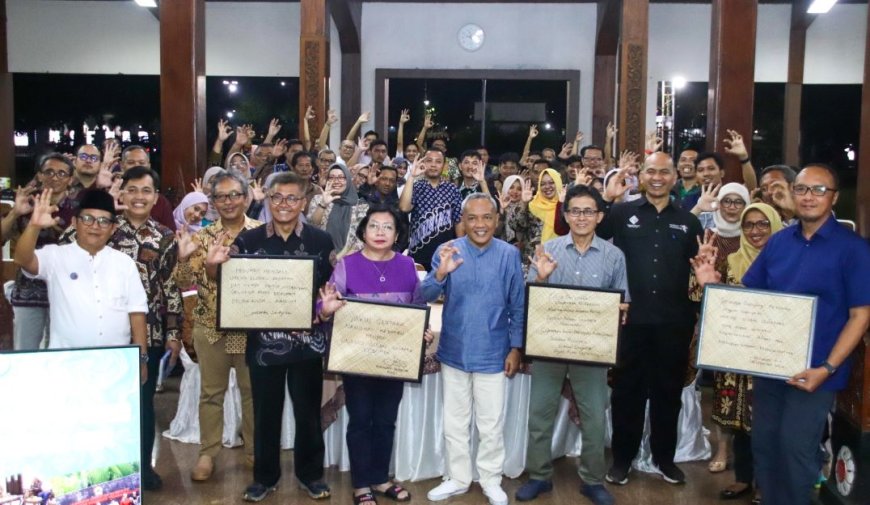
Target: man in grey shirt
{"points": [[577, 259]]}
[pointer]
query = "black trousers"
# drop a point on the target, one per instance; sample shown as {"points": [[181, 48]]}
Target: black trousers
{"points": [[651, 364], [743, 469], [372, 405], [146, 407], [304, 381]]}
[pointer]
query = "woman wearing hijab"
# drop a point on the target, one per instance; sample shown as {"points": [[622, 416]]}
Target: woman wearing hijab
{"points": [[238, 162], [339, 209], [514, 223], [732, 392], [191, 211], [543, 205], [211, 215]]}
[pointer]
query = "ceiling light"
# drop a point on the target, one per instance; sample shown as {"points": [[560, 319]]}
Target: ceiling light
{"points": [[146, 3], [679, 82], [820, 6]]}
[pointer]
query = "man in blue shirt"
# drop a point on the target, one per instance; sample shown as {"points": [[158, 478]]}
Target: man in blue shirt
{"points": [[817, 257], [481, 333]]}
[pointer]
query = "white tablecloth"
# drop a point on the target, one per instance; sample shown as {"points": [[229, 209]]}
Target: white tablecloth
{"points": [[418, 451]]}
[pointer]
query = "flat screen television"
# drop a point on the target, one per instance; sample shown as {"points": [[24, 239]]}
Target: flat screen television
{"points": [[69, 426]]}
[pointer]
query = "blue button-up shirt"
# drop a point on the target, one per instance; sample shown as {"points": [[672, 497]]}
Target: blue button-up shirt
{"points": [[484, 303], [834, 264]]}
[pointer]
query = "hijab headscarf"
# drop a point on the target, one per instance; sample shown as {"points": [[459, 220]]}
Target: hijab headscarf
{"points": [[723, 227], [266, 214], [740, 261], [511, 179], [189, 200], [339, 219], [212, 214], [229, 168], [545, 208]]}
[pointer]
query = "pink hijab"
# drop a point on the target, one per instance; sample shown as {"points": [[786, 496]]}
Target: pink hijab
{"points": [[189, 200]]}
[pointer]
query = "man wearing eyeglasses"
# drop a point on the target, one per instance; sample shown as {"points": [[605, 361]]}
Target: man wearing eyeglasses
{"points": [[95, 295], [29, 297], [579, 258], [287, 359], [218, 351], [817, 257], [87, 166], [593, 159]]}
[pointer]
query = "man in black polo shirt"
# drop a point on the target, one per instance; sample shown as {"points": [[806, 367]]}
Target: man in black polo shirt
{"points": [[658, 240], [279, 358]]}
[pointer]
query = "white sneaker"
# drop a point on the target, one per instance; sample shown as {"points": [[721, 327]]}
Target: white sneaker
{"points": [[447, 489], [495, 494]]}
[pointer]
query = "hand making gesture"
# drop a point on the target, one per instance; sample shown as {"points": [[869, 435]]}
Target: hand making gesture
{"points": [[734, 145], [527, 194], [707, 202], [449, 261], [330, 302], [223, 130], [544, 263], [41, 217], [186, 244]]}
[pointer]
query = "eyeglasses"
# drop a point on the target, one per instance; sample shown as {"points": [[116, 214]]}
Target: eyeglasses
{"points": [[818, 190], [736, 202], [384, 227], [234, 196], [761, 225], [278, 199], [102, 222], [336, 178], [575, 212], [89, 157], [52, 174]]}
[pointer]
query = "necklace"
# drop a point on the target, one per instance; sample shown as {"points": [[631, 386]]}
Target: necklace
{"points": [[383, 277]]}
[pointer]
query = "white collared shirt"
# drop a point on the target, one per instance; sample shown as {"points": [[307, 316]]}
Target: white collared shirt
{"points": [[90, 297]]}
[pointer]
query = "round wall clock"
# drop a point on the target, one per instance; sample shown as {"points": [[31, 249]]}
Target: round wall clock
{"points": [[471, 37]]}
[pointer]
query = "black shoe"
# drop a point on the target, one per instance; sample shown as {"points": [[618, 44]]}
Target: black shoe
{"points": [[257, 492], [618, 474], [730, 494], [672, 474], [151, 481], [317, 490]]}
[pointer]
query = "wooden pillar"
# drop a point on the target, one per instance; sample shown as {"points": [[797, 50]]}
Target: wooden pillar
{"points": [[797, 41], [182, 93], [604, 87], [313, 62], [347, 15], [863, 190], [633, 43], [7, 149], [732, 76]]}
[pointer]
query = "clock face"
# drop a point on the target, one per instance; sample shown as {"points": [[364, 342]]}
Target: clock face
{"points": [[471, 37], [845, 471]]}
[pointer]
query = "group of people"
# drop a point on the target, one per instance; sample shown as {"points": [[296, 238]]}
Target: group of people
{"points": [[104, 261]]}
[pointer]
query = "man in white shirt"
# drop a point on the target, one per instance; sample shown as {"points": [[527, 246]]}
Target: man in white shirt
{"points": [[95, 294]]}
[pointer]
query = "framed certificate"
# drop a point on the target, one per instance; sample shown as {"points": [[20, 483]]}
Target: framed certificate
{"points": [[756, 332], [266, 293], [571, 323], [378, 339]]}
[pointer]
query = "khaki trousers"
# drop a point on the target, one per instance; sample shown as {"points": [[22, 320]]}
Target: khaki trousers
{"points": [[214, 368]]}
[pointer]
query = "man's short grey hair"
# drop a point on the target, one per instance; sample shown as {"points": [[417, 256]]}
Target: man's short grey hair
{"points": [[326, 151], [224, 175], [133, 147], [479, 196]]}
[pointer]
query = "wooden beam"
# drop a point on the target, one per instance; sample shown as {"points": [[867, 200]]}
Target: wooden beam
{"points": [[182, 93], [797, 41], [633, 44], [604, 86], [863, 189], [732, 76], [347, 15], [313, 63]]}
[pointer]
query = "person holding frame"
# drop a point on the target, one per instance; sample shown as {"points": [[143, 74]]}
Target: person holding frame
{"points": [[578, 259], [379, 273]]}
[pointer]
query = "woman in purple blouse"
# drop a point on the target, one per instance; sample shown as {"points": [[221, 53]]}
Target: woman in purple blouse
{"points": [[375, 273]]}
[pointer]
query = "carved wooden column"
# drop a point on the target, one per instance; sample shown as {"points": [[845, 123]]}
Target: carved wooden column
{"points": [[313, 62], [347, 15], [182, 93], [732, 76], [797, 41], [633, 44], [604, 87]]}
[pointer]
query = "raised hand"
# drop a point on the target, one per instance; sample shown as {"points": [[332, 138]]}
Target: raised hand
{"points": [[105, 178], [362, 143], [448, 260], [257, 191], [544, 263], [734, 145], [196, 185], [242, 135], [781, 197], [115, 191], [330, 300], [427, 121], [629, 161], [707, 246], [417, 167], [111, 154], [249, 131], [279, 149], [616, 185], [705, 270], [186, 245], [374, 172], [611, 130], [329, 193], [331, 117], [527, 193], [578, 138], [533, 131], [42, 210], [653, 142], [504, 199], [275, 125], [707, 202], [477, 170], [23, 201], [404, 116], [562, 193], [218, 252], [223, 130], [364, 117], [566, 150], [583, 177]]}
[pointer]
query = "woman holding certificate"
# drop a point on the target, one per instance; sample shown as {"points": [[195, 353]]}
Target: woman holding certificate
{"points": [[732, 393], [379, 273]]}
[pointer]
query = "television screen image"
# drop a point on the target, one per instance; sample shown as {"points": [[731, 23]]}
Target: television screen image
{"points": [[69, 426]]}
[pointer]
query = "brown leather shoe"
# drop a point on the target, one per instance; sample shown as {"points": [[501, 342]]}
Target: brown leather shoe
{"points": [[203, 469]]}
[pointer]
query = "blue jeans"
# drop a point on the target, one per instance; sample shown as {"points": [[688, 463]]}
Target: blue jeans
{"points": [[372, 406], [787, 426]]}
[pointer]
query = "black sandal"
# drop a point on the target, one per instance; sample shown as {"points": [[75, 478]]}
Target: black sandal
{"points": [[359, 499], [393, 493]]}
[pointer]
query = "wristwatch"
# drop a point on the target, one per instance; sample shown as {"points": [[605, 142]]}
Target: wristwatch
{"points": [[829, 367], [143, 358]]}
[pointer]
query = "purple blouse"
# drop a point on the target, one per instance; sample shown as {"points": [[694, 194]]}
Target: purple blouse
{"points": [[393, 281]]}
